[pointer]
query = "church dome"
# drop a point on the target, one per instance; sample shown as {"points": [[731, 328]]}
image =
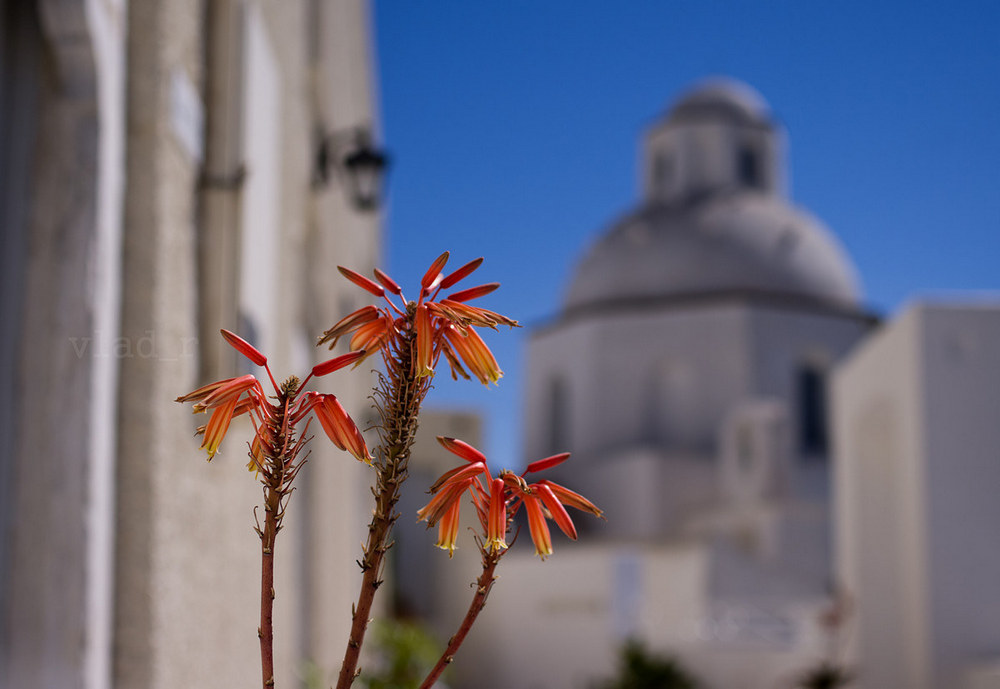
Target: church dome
{"points": [[715, 219], [722, 99], [743, 242]]}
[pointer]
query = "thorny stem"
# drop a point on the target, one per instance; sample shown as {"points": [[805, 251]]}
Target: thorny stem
{"points": [[483, 586], [398, 399], [266, 629], [277, 474]]}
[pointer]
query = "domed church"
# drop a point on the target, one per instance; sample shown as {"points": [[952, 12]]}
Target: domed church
{"points": [[687, 368]]}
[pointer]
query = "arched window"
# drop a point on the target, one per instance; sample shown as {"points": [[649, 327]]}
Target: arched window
{"points": [[812, 407], [748, 167], [663, 172]]}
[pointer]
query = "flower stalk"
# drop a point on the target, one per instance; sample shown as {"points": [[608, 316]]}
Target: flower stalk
{"points": [[491, 558], [412, 338], [277, 473], [274, 452], [398, 400], [496, 506]]}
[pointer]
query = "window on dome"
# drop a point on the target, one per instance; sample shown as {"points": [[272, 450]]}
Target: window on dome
{"points": [[811, 393], [748, 168], [663, 172]]}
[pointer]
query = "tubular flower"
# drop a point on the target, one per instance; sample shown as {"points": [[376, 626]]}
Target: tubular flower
{"points": [[496, 523], [545, 499], [499, 499], [274, 423], [439, 326]]}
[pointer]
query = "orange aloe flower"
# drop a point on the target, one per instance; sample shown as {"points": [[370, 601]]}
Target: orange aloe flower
{"points": [[445, 507], [439, 326], [545, 499], [497, 504], [232, 397]]}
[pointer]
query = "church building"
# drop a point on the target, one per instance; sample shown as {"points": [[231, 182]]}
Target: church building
{"points": [[688, 367], [687, 371]]}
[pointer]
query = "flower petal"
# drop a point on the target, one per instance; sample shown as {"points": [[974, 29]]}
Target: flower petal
{"points": [[362, 282], [425, 342], [568, 497], [232, 389], [204, 391], [462, 449], [442, 501], [448, 528], [496, 528], [218, 424], [461, 273], [348, 323], [474, 292], [434, 271], [388, 283], [457, 475], [559, 514], [536, 524], [547, 463], [244, 348], [337, 363], [475, 354], [340, 428]]}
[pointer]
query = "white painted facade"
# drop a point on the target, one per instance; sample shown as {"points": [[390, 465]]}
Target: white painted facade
{"points": [[918, 436], [158, 168]]}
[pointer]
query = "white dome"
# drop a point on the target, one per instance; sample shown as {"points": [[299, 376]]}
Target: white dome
{"points": [[743, 242], [722, 98]]}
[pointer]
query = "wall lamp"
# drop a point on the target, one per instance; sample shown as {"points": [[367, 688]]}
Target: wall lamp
{"points": [[352, 155]]}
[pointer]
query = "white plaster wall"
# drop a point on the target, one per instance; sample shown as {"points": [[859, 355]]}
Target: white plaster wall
{"points": [[960, 372], [579, 606], [879, 489], [668, 380], [634, 376], [189, 567], [106, 21]]}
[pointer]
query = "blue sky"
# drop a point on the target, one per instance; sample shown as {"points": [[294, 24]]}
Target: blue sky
{"points": [[514, 128]]}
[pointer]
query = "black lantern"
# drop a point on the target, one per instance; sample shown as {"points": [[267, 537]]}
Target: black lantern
{"points": [[360, 165]]}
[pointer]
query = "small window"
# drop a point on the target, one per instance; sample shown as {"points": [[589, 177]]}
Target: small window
{"points": [[748, 167], [813, 435], [663, 172]]}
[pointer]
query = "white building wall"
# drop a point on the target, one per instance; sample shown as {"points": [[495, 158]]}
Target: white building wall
{"points": [[960, 352], [916, 433], [558, 624], [126, 561], [649, 392]]}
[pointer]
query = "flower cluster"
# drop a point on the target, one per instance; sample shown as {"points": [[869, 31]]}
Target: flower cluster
{"points": [[232, 397], [443, 325], [411, 337], [497, 504]]}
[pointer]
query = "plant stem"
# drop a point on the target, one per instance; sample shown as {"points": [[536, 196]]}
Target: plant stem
{"points": [[266, 630], [279, 470], [400, 396], [483, 586]]}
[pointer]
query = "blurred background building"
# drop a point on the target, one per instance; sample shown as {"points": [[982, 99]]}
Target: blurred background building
{"points": [[758, 524], [167, 169]]}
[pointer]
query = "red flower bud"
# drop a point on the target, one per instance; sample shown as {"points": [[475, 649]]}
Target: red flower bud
{"points": [[245, 348], [361, 281]]}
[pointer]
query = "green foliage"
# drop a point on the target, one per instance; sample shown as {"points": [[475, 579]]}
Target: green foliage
{"points": [[826, 676], [640, 669], [404, 653]]}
